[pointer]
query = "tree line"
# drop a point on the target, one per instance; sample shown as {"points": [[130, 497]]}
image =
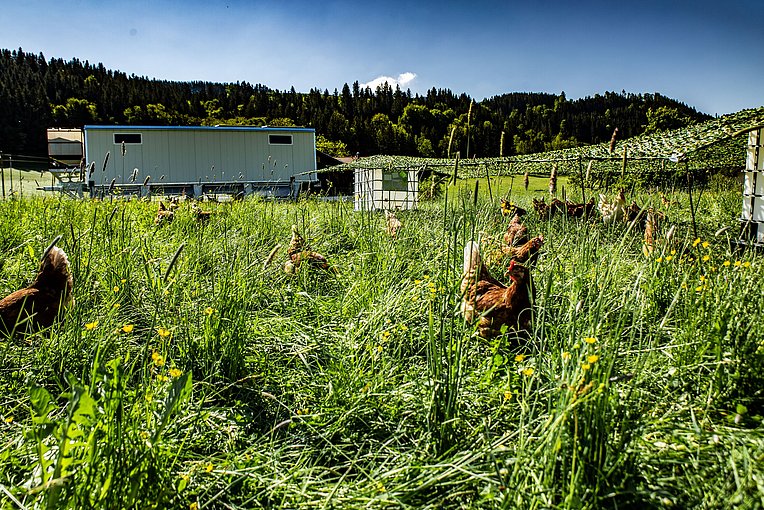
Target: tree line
{"points": [[36, 94]]}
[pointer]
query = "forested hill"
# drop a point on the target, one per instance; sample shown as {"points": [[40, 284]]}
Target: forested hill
{"points": [[36, 94]]}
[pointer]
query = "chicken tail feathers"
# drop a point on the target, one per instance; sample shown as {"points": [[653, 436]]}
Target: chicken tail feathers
{"points": [[54, 270]]}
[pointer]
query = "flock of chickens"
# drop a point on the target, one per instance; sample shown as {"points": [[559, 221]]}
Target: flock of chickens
{"points": [[497, 306], [494, 305]]}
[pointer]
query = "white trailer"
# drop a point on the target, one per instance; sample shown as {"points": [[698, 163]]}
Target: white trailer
{"points": [[192, 160]]}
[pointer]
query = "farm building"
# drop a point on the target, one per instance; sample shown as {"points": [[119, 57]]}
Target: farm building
{"points": [[272, 161]]}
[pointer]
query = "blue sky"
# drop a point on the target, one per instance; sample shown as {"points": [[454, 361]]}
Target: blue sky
{"points": [[708, 54]]}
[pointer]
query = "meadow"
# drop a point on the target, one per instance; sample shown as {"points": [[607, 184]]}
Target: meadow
{"points": [[191, 374]]}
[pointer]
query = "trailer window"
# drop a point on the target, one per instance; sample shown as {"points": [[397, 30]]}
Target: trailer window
{"points": [[132, 138], [280, 139]]}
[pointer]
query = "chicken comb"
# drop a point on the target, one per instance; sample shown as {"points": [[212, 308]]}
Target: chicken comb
{"points": [[511, 265]]}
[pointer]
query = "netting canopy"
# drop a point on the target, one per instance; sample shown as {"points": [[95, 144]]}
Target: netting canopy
{"points": [[718, 143]]}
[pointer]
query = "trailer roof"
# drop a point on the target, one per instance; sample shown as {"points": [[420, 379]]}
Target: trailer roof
{"points": [[200, 128]]}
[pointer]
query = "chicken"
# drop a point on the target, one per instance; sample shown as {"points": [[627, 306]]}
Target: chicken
{"points": [[526, 252], [299, 252], [580, 210], [174, 203], [635, 214], [163, 214], [516, 233], [508, 208], [542, 209], [489, 301], [37, 306], [200, 215], [613, 211], [392, 224]]}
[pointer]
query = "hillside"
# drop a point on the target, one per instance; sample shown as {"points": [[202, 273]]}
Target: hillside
{"points": [[37, 93]]}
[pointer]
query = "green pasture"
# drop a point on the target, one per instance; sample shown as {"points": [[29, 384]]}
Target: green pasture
{"points": [[192, 374]]}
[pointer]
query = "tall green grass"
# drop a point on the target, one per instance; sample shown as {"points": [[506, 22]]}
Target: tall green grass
{"points": [[216, 382]]}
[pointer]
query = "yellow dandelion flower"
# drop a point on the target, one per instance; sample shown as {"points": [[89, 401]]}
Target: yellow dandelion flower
{"points": [[209, 467], [684, 285], [127, 328], [175, 373], [163, 332], [403, 327], [566, 355], [696, 242], [115, 305], [417, 282], [706, 258], [507, 394], [746, 264], [193, 506], [426, 277], [593, 358], [527, 372], [385, 334], [123, 281], [157, 359], [586, 366], [699, 288], [209, 311], [519, 358], [738, 263], [590, 340], [659, 259], [705, 244], [726, 263], [90, 326], [702, 278], [9, 419], [162, 378], [669, 258], [673, 252], [116, 288]]}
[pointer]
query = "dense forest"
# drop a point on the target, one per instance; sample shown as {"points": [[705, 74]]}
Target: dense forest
{"points": [[36, 94]]}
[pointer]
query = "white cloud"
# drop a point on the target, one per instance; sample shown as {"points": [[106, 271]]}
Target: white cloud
{"points": [[404, 79]]}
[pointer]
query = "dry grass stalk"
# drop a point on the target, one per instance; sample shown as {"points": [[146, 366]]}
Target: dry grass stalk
{"points": [[553, 180]]}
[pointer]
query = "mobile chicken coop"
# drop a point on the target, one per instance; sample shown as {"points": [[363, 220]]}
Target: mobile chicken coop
{"points": [[193, 160], [385, 188]]}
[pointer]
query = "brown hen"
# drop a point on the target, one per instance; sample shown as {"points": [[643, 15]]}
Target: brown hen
{"points": [[489, 301], [163, 214], [516, 233], [525, 252], [37, 306], [299, 252]]}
